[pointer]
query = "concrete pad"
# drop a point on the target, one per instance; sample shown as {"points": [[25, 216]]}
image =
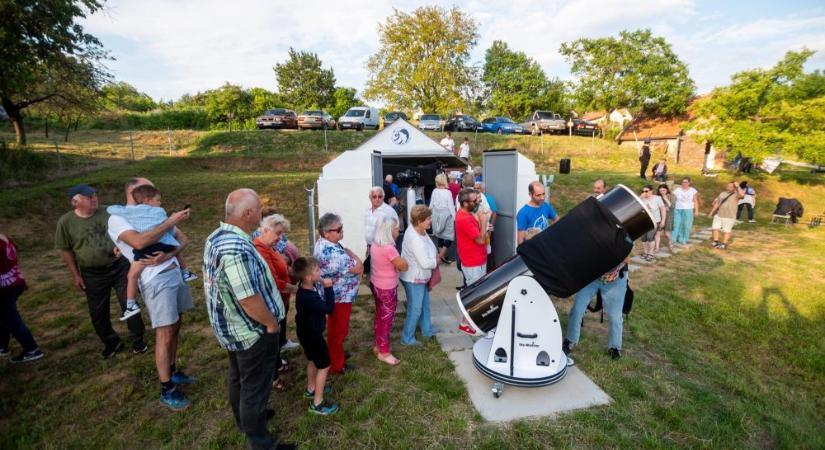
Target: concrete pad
{"points": [[639, 260], [663, 254], [575, 391], [633, 267]]}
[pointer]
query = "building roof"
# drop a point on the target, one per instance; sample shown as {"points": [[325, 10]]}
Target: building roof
{"points": [[593, 115]]}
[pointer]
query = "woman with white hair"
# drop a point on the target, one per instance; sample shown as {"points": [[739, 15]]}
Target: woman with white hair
{"points": [[441, 203], [386, 264]]}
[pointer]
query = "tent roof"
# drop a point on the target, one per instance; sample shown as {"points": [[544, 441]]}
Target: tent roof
{"points": [[402, 137]]}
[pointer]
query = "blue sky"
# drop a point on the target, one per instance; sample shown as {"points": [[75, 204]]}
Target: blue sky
{"points": [[169, 48]]}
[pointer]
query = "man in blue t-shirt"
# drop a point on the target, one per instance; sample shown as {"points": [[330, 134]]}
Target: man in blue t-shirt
{"points": [[536, 215]]}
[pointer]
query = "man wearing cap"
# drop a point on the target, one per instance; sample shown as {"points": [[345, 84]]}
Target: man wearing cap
{"points": [[644, 159], [89, 254]]}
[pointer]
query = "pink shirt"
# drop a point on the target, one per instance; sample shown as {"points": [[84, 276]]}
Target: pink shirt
{"points": [[382, 273]]}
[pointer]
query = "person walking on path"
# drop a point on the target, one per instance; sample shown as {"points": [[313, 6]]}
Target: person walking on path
{"points": [[685, 210], [658, 211], [344, 268], [89, 255], [723, 213], [644, 159], [244, 309], [387, 263], [164, 291], [420, 254], [442, 206], [464, 151], [12, 285], [669, 201]]}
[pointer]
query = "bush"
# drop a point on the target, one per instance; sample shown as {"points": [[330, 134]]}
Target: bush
{"points": [[175, 119], [20, 164]]}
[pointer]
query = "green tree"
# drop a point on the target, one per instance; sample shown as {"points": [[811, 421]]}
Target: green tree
{"points": [[263, 99], [516, 84], [345, 99], [422, 60], [765, 111], [636, 71], [302, 81], [124, 96], [229, 103], [45, 53]]}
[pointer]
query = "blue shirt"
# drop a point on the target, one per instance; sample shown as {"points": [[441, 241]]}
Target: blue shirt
{"points": [[143, 218], [535, 217], [491, 202]]}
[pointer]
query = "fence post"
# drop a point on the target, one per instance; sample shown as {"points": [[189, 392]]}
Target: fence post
{"points": [[326, 145], [59, 160], [131, 145], [169, 139]]}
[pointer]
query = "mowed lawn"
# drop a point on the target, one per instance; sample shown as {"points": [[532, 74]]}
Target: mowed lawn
{"points": [[722, 349]]}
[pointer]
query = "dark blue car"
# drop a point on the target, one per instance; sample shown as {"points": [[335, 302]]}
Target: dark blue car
{"points": [[501, 125]]}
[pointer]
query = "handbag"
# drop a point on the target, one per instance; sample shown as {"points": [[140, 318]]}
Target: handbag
{"points": [[435, 278]]}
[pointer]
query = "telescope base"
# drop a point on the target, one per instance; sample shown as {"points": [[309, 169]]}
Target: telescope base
{"points": [[481, 353]]}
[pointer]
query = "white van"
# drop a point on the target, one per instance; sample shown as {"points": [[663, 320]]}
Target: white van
{"points": [[358, 118]]}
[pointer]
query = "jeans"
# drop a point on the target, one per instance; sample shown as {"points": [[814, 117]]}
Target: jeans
{"points": [[11, 324], [337, 331], [743, 206], [249, 380], [418, 312], [99, 284], [682, 223], [612, 300], [386, 301]]}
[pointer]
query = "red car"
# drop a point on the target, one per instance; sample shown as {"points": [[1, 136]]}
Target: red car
{"points": [[277, 118]]}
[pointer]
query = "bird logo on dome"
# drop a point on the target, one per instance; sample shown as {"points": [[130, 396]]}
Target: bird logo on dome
{"points": [[400, 136]]}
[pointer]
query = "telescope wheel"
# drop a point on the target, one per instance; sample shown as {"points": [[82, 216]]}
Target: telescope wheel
{"points": [[497, 389]]}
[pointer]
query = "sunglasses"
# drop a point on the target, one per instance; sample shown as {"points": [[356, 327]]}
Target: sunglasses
{"points": [[337, 230], [376, 196], [645, 190]]}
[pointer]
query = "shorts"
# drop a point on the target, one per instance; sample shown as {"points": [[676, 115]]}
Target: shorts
{"points": [[166, 296], [722, 223], [444, 243], [650, 236], [315, 349], [145, 252], [471, 274]]}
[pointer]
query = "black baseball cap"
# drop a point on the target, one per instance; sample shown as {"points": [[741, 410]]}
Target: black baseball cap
{"points": [[82, 189]]}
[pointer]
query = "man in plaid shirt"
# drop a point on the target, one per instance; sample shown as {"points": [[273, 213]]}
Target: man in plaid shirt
{"points": [[244, 308]]}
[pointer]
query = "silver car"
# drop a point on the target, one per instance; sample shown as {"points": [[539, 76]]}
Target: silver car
{"points": [[430, 122]]}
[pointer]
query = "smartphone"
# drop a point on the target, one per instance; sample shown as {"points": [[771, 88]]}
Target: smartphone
{"points": [[186, 207]]}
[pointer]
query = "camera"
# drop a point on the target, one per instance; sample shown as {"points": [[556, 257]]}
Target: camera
{"points": [[408, 177]]}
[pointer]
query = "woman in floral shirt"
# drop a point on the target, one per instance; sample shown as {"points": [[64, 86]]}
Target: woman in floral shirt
{"points": [[12, 285]]}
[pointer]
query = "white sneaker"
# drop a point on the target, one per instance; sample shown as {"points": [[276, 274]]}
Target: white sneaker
{"points": [[130, 311], [290, 345], [188, 275]]}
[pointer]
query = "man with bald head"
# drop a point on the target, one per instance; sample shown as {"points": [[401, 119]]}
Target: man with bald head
{"points": [[599, 188], [164, 292], [535, 216], [244, 308]]}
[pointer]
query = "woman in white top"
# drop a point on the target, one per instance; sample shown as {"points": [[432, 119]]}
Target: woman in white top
{"points": [[658, 210], [441, 204], [687, 208], [420, 253]]}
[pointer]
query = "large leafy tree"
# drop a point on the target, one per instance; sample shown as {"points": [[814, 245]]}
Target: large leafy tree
{"points": [[637, 71], [303, 82], [422, 60], [768, 111], [345, 99], [263, 99], [228, 103], [516, 84], [124, 96], [45, 54]]}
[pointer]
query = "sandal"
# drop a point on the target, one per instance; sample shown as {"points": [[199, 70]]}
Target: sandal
{"points": [[284, 366], [279, 385]]}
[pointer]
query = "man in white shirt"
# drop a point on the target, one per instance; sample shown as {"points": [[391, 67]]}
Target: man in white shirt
{"points": [[165, 293], [464, 151], [377, 212], [448, 143]]}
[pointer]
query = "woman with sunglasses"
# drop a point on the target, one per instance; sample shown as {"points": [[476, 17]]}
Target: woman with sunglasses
{"points": [[670, 203], [658, 211]]}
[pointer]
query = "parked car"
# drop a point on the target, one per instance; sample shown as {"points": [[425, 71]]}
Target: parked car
{"points": [[277, 118], [358, 118], [461, 122], [544, 122], [430, 122], [315, 119], [585, 127], [391, 117], [501, 125]]}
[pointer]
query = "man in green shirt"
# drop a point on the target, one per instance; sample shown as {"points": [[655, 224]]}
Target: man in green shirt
{"points": [[88, 251]]}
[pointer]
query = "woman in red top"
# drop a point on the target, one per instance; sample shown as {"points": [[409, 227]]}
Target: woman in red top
{"points": [[12, 285]]}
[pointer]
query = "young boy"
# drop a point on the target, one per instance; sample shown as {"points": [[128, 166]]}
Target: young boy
{"points": [[146, 215], [310, 320]]}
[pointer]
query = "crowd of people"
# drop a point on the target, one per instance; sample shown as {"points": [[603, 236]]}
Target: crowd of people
{"points": [[251, 271]]}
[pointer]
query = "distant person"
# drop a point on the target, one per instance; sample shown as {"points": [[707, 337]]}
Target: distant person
{"points": [[344, 268], [145, 215], [658, 211], [454, 186], [244, 309], [420, 254], [12, 285], [441, 204], [686, 209], [391, 191], [89, 254], [471, 228], [384, 278], [482, 188], [310, 318], [535, 216], [478, 173], [669, 201], [165, 295], [599, 188], [464, 151], [644, 159], [748, 201], [723, 212], [448, 142], [660, 171]]}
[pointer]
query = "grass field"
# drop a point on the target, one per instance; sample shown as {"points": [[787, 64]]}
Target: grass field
{"points": [[722, 350]]}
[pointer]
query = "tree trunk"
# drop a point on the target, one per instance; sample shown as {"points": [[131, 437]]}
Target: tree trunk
{"points": [[68, 128], [46, 128], [16, 119]]}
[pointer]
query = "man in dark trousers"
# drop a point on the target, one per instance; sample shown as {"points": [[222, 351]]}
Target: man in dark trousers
{"points": [[644, 159]]}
